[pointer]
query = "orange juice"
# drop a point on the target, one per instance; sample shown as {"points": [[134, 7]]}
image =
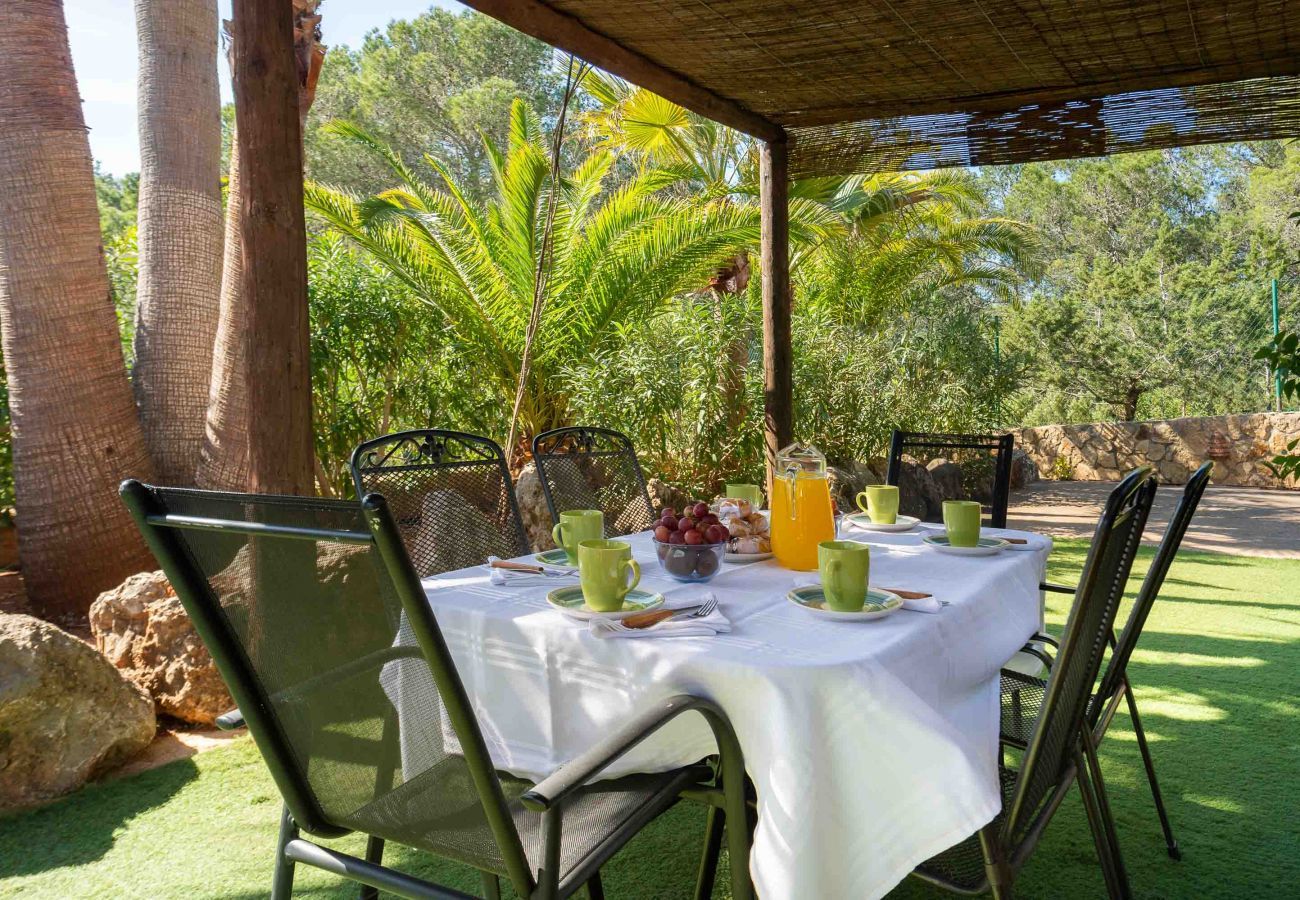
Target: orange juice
{"points": [[797, 531]]}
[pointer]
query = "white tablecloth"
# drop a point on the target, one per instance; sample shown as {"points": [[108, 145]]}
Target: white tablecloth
{"points": [[872, 745]]}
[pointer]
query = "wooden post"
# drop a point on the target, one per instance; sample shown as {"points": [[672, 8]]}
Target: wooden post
{"points": [[274, 240], [778, 359]]}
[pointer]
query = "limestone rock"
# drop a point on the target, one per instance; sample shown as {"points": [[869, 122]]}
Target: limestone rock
{"points": [[947, 477], [664, 494], [1023, 470], [66, 715], [141, 627], [533, 509]]}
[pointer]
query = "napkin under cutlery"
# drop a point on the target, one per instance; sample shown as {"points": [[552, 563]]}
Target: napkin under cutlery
{"points": [[683, 626]]}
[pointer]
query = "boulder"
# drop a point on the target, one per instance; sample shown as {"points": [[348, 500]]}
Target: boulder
{"points": [[533, 509], [141, 627], [664, 494], [1024, 471], [947, 478], [917, 494], [848, 478], [66, 714]]}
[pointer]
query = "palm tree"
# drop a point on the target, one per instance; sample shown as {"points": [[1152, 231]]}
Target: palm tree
{"points": [[620, 251], [224, 454], [179, 230], [75, 430]]}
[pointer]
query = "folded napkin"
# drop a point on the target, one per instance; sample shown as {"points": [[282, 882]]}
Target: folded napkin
{"points": [[929, 604], [714, 623], [509, 576]]}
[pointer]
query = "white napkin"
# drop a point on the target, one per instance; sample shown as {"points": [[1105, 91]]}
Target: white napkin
{"points": [[919, 604], [714, 623], [510, 576]]}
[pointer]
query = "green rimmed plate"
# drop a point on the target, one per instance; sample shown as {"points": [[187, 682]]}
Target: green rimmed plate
{"points": [[863, 521], [569, 600], [555, 557], [879, 604], [985, 547]]}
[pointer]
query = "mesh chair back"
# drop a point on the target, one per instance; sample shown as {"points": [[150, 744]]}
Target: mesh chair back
{"points": [[960, 467], [594, 468], [1083, 644], [1117, 667], [450, 493], [322, 633]]}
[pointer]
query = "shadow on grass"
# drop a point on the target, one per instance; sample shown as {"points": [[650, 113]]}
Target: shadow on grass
{"points": [[81, 828]]}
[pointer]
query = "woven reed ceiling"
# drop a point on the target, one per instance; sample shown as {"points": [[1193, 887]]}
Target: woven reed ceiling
{"points": [[872, 84]]}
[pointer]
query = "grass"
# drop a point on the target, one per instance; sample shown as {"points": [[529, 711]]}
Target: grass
{"points": [[1215, 674]]}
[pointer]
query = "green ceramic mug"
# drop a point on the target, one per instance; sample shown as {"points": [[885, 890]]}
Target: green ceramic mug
{"points": [[576, 526], [845, 567], [603, 568], [750, 492], [880, 502], [962, 519]]}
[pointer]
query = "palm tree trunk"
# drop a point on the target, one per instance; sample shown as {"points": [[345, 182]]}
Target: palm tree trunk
{"points": [[75, 430], [225, 458], [179, 230]]}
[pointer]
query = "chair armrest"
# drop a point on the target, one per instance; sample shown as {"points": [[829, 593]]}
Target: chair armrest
{"points": [[229, 721], [579, 770], [1039, 654], [1055, 588]]}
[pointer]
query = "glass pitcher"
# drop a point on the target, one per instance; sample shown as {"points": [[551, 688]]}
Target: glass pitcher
{"points": [[802, 516]]}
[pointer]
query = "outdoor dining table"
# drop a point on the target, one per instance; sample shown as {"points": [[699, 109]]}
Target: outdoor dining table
{"points": [[872, 745]]}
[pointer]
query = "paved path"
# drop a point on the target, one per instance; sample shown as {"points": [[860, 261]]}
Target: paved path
{"points": [[1241, 521]]}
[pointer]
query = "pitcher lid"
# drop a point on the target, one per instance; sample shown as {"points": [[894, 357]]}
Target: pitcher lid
{"points": [[800, 457]]}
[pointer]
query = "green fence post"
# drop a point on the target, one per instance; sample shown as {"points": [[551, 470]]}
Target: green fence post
{"points": [[1277, 374]]}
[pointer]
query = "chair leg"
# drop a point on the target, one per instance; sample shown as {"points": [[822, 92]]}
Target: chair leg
{"points": [[282, 880], [1107, 818], [713, 829], [595, 890], [996, 869], [1092, 811], [374, 854], [1170, 842], [491, 886]]}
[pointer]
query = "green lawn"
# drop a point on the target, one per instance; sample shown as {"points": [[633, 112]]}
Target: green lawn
{"points": [[1215, 672]]}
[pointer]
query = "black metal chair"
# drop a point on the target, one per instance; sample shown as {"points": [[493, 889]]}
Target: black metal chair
{"points": [[985, 469], [316, 620], [1060, 749], [450, 493], [594, 468], [1022, 695]]}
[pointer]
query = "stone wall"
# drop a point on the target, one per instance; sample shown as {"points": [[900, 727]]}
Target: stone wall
{"points": [[1104, 451]]}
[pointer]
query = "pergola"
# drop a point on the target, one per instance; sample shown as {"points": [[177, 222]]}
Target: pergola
{"points": [[843, 86]]}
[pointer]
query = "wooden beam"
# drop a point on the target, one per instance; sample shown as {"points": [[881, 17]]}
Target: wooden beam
{"points": [[778, 358], [569, 34], [274, 240]]}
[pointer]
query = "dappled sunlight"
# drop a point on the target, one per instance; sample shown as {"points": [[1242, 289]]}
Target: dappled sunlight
{"points": [[1181, 705], [1222, 804], [1157, 657]]}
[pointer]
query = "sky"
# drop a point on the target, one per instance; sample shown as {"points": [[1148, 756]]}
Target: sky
{"points": [[102, 34]]}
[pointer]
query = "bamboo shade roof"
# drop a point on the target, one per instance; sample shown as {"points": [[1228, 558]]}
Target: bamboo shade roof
{"points": [[870, 85]]}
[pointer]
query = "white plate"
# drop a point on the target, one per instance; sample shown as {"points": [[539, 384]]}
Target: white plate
{"points": [[747, 557], [879, 604], [568, 600], [863, 521], [986, 546]]}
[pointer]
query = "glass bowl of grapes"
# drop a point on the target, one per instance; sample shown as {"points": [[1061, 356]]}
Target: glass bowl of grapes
{"points": [[690, 546]]}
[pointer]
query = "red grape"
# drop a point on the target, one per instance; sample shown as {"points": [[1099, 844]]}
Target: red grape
{"points": [[668, 513], [701, 510], [694, 537], [685, 523], [669, 522], [717, 533], [710, 519], [662, 533], [676, 538]]}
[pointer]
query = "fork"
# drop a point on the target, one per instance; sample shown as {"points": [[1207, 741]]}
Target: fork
{"points": [[646, 620]]}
